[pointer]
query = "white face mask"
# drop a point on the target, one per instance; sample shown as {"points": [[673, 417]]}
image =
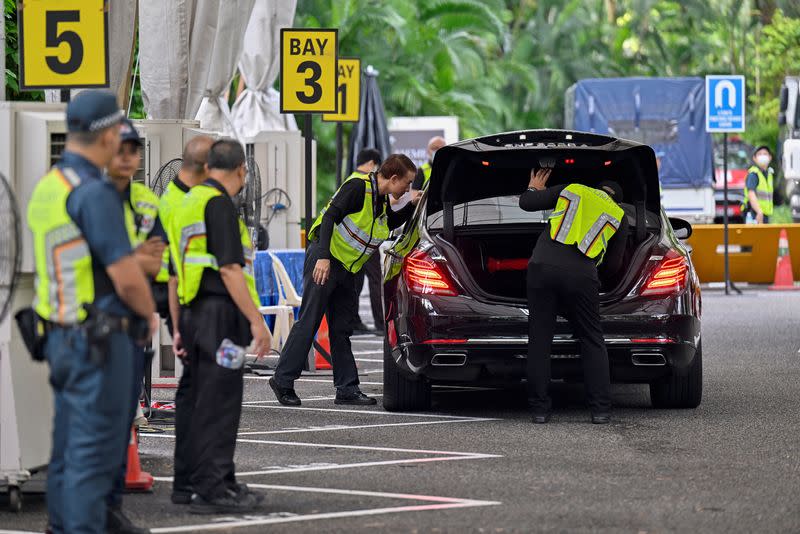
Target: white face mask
{"points": [[763, 160]]}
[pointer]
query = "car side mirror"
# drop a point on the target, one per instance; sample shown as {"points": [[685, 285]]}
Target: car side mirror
{"points": [[682, 229]]}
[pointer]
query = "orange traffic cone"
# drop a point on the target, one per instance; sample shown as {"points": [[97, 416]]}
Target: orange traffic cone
{"points": [[135, 478], [322, 346], [784, 279]]}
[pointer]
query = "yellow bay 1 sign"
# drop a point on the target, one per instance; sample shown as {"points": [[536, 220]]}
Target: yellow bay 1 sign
{"points": [[308, 70], [63, 44], [349, 97]]}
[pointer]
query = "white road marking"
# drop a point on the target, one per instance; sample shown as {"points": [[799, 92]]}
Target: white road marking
{"points": [[356, 427], [330, 515], [350, 447], [366, 412], [331, 381], [368, 360], [365, 352]]}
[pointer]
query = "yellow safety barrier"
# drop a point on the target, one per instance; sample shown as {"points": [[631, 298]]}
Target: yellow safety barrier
{"points": [[753, 251]]}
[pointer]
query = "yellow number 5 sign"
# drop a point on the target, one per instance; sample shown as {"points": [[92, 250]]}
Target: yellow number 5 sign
{"points": [[308, 70], [63, 43]]}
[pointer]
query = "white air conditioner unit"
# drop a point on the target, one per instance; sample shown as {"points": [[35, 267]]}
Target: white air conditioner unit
{"points": [[32, 138], [34, 135], [791, 159], [281, 159], [163, 140]]}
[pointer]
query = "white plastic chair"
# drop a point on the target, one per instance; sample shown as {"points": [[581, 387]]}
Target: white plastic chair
{"points": [[283, 312]]}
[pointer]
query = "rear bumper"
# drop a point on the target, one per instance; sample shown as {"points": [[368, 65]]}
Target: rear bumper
{"points": [[492, 347], [478, 361]]}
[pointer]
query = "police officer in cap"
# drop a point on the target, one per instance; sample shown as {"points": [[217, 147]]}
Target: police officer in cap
{"points": [[218, 292], [96, 303], [586, 228], [347, 232], [147, 238]]}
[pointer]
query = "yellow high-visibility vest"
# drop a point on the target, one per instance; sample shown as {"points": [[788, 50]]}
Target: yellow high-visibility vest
{"points": [[587, 218], [359, 234]]}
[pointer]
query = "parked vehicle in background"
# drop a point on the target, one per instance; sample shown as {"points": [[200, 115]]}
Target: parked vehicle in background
{"points": [[789, 121], [665, 113], [454, 286], [740, 159]]}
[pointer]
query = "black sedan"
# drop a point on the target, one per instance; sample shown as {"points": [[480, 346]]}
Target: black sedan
{"points": [[454, 287]]}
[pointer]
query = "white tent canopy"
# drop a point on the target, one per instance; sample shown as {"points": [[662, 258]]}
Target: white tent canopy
{"points": [[188, 51], [258, 107]]}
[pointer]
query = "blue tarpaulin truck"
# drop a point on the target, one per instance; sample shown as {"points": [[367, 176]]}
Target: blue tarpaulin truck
{"points": [[665, 113]]}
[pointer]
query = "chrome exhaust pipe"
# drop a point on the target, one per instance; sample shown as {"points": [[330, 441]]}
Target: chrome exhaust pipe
{"points": [[449, 360], [649, 359]]}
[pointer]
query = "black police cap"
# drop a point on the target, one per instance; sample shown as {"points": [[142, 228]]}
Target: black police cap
{"points": [[92, 111]]}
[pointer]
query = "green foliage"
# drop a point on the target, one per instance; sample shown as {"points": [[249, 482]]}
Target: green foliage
{"points": [[12, 56], [501, 65]]}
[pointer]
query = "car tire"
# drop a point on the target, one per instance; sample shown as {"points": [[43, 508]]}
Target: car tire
{"points": [[400, 393], [680, 391]]}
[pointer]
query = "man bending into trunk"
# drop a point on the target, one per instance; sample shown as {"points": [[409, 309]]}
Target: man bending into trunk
{"points": [[587, 227]]}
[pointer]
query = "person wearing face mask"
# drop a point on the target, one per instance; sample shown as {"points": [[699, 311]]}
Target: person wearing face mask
{"points": [[424, 172], [345, 235], [148, 239], [219, 302], [759, 188]]}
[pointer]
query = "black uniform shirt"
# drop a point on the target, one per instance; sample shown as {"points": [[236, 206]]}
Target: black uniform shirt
{"points": [[223, 240], [549, 252], [350, 199]]}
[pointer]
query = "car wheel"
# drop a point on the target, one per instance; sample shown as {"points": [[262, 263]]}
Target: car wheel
{"points": [[400, 393], [680, 391]]}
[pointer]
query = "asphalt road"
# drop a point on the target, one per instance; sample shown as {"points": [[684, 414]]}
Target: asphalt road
{"points": [[476, 463]]}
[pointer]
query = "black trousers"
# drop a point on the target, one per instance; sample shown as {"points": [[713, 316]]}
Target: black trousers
{"points": [[554, 291], [336, 298], [183, 416], [216, 394], [372, 270]]}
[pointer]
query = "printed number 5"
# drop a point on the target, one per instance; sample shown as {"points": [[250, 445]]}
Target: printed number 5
{"points": [[54, 39], [311, 81]]}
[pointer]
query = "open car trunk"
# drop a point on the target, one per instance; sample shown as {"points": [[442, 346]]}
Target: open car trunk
{"points": [[472, 203], [496, 259]]}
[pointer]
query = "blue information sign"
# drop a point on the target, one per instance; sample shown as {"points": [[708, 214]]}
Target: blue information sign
{"points": [[725, 103]]}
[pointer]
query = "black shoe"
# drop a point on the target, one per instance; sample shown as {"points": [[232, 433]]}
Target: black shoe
{"points": [[356, 399], [182, 496], [118, 523], [541, 418], [285, 396], [601, 418], [228, 503], [243, 489]]}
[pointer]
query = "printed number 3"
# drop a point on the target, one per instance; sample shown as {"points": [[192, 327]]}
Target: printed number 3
{"points": [[54, 39], [311, 81]]}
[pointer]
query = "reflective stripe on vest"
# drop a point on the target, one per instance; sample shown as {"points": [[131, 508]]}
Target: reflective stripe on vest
{"points": [[587, 218], [168, 204], [188, 222], [426, 173], [764, 190], [360, 234], [64, 276], [144, 203]]}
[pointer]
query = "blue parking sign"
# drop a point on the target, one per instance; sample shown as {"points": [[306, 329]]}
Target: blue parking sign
{"points": [[725, 103]]}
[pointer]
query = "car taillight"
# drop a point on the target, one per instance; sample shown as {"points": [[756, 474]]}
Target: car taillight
{"points": [[425, 276], [669, 276]]}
